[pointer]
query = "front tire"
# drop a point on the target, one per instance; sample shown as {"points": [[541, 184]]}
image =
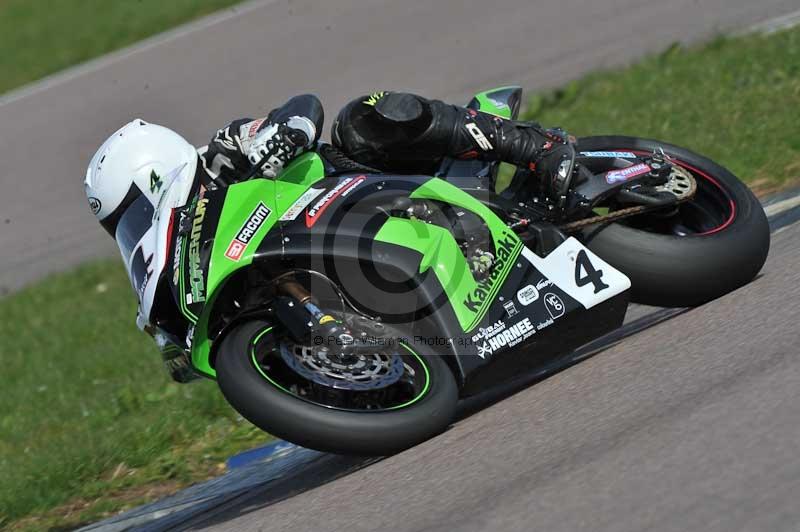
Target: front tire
{"points": [[271, 407], [723, 250]]}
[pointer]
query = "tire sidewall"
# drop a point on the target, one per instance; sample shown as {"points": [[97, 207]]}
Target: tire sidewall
{"points": [[327, 429], [668, 270]]}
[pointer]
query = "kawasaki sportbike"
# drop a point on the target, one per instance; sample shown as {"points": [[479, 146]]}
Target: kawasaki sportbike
{"points": [[348, 310]]}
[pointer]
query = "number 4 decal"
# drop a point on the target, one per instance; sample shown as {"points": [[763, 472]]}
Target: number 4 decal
{"points": [[591, 275], [584, 276]]}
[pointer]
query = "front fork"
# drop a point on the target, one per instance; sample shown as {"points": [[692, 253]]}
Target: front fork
{"points": [[299, 312]]}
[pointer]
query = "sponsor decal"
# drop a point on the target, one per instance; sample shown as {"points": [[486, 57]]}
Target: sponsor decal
{"points": [[506, 337], [374, 98], [196, 274], [544, 283], [342, 189], [251, 226], [484, 350], [95, 205], [254, 125], [618, 176], [479, 137], [487, 332], [511, 309], [302, 202], [176, 261], [506, 252], [613, 154], [544, 324], [527, 295], [554, 305]]}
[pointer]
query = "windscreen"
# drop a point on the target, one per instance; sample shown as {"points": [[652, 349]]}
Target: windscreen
{"points": [[133, 225]]}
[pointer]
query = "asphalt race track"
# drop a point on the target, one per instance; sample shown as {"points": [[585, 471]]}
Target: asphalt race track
{"points": [[196, 79]]}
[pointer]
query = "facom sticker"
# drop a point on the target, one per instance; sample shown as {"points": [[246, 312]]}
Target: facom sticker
{"points": [[251, 226], [302, 202]]}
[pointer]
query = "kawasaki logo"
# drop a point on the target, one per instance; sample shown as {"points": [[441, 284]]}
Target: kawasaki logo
{"points": [[505, 252], [251, 226]]}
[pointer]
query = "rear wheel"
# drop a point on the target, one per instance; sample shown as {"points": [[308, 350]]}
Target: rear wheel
{"points": [[701, 250], [386, 398]]}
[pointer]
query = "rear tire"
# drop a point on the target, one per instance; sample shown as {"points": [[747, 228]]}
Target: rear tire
{"points": [[315, 426], [677, 271]]}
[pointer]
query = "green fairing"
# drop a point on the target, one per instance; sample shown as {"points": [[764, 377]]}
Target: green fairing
{"points": [[470, 299], [307, 169], [240, 201], [488, 106]]}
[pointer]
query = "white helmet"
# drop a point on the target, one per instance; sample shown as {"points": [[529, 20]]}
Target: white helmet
{"points": [[137, 160], [133, 182]]}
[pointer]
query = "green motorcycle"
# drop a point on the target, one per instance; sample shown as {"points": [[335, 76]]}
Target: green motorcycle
{"points": [[347, 310]]}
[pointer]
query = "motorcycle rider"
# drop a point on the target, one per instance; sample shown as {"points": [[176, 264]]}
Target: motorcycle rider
{"points": [[144, 170], [391, 131]]}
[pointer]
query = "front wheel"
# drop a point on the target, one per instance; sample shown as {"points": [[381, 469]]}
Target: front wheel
{"points": [[386, 398], [703, 249]]}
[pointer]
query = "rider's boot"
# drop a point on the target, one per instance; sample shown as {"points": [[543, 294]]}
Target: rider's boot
{"points": [[548, 153]]}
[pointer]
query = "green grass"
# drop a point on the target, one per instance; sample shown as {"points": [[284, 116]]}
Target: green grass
{"points": [[735, 101], [39, 37], [85, 395]]}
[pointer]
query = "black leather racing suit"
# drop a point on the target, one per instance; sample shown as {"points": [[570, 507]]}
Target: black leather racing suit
{"points": [[399, 132]]}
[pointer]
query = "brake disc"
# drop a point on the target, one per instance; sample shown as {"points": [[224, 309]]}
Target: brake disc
{"points": [[368, 370]]}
